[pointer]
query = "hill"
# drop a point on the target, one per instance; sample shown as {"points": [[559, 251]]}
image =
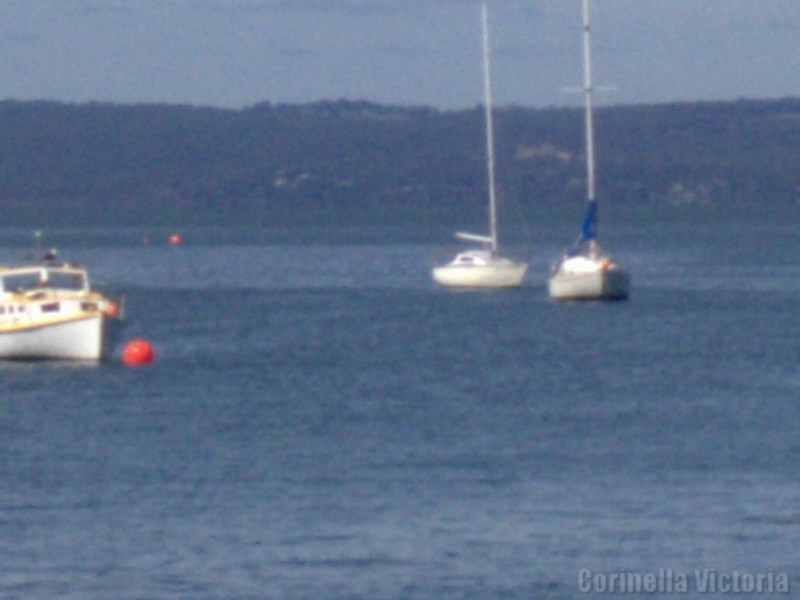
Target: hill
{"points": [[112, 164]]}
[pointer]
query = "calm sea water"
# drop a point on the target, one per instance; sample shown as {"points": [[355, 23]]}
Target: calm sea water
{"points": [[322, 422]]}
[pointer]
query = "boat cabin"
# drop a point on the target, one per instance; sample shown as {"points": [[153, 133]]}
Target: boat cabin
{"points": [[474, 258], [20, 280]]}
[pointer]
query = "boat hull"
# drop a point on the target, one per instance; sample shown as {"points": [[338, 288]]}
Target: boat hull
{"points": [[84, 337], [499, 274], [601, 284]]}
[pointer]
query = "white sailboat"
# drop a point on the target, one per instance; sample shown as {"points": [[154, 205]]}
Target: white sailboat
{"points": [[585, 272], [483, 267]]}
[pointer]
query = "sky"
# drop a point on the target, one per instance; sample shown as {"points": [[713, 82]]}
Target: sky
{"points": [[237, 53]]}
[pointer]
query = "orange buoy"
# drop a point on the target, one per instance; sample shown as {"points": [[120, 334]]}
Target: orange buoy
{"points": [[138, 352], [175, 239]]}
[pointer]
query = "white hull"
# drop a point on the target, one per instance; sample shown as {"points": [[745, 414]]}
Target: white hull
{"points": [[500, 273], [602, 283], [80, 338]]}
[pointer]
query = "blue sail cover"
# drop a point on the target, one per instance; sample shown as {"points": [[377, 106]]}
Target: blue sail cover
{"points": [[589, 229]]}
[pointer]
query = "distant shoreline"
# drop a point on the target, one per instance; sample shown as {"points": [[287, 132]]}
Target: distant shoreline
{"points": [[155, 163]]}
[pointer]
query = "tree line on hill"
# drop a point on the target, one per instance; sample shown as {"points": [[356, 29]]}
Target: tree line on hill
{"points": [[127, 164]]}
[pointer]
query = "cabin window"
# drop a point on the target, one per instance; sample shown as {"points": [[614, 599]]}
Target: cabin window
{"points": [[66, 281], [21, 282], [51, 307]]}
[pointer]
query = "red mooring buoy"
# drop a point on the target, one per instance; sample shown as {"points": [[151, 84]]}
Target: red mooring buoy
{"points": [[138, 352]]}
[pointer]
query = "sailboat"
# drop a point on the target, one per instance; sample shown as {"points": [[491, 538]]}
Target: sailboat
{"points": [[585, 272], [483, 267]]}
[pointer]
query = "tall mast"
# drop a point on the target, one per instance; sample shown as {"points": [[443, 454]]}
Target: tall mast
{"points": [[487, 91], [588, 91]]}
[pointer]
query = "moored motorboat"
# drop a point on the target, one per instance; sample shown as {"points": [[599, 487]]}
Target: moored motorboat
{"points": [[48, 311]]}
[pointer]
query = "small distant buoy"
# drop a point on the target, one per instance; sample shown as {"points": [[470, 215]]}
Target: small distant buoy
{"points": [[175, 239], [138, 352]]}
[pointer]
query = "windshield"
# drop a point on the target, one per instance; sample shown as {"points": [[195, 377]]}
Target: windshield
{"points": [[44, 278], [20, 282], [66, 281]]}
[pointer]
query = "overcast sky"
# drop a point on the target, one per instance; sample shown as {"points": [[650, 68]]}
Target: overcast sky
{"points": [[235, 53]]}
